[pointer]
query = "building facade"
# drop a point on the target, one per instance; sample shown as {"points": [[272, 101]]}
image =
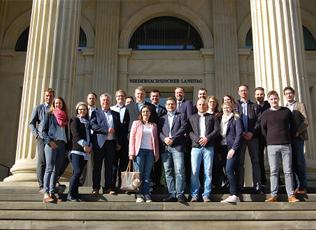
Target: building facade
{"points": [[103, 45]]}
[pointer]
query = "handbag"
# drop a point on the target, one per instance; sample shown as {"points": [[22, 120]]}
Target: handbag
{"points": [[130, 180]]}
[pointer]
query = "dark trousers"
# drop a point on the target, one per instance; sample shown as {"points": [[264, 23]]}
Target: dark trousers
{"points": [[63, 167], [107, 155], [120, 163], [262, 145], [231, 168], [41, 162], [78, 164]]}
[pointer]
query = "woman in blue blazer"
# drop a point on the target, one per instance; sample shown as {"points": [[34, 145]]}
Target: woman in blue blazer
{"points": [[55, 133], [231, 133]]}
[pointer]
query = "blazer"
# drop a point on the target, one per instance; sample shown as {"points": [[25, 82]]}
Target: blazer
{"points": [[100, 128], [212, 129], [50, 128], [131, 113], [178, 129], [254, 117], [77, 133], [186, 108], [136, 136], [161, 111], [38, 116], [301, 119], [234, 133]]}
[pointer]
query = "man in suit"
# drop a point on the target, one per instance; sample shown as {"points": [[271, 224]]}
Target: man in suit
{"points": [[37, 117], [106, 127], [301, 123], [203, 129], [251, 115], [202, 93], [172, 128], [121, 159], [186, 107], [263, 106], [161, 111]]}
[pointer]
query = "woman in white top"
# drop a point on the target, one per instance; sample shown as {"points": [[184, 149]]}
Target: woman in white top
{"points": [[144, 148]]}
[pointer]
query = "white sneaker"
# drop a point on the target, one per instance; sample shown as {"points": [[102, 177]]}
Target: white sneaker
{"points": [[231, 199], [148, 198], [140, 199]]}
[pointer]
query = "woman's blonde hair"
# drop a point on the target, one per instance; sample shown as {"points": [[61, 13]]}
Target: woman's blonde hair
{"points": [[232, 107], [85, 105]]}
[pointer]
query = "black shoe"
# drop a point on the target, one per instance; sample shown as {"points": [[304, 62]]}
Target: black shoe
{"points": [[181, 198], [170, 199], [71, 198]]}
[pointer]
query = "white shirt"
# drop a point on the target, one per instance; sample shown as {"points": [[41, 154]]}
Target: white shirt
{"points": [[291, 105], [120, 109], [202, 124], [110, 123], [147, 142], [90, 111]]}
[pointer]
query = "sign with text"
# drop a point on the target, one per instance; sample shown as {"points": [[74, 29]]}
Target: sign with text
{"points": [[167, 81]]}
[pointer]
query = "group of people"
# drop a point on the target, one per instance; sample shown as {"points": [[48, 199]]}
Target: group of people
{"points": [[197, 145]]}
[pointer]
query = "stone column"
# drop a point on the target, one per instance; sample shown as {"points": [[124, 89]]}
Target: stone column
{"points": [[225, 47], [3, 17], [106, 41], [279, 56], [50, 62]]}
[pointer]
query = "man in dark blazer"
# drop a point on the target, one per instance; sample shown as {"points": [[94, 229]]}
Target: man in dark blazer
{"points": [[37, 117], [203, 129], [172, 128], [250, 114], [186, 107], [156, 172], [106, 127]]}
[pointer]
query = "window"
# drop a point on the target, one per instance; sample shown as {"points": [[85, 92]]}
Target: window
{"points": [[166, 33], [82, 40], [249, 44]]}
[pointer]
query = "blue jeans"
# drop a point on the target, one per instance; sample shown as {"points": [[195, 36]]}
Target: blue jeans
{"points": [[78, 164], [54, 159], [143, 163], [172, 159], [299, 164], [197, 155]]}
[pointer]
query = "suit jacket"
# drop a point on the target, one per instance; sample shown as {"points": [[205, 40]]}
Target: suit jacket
{"points": [[234, 133], [136, 137], [50, 129], [38, 116], [212, 129], [131, 113], [186, 108], [178, 129], [78, 133], [301, 119], [254, 117], [161, 111], [100, 128]]}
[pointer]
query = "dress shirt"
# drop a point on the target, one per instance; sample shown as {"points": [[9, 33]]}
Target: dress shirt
{"points": [[139, 106], [170, 121], [291, 105], [202, 124], [110, 123], [120, 109], [245, 114], [47, 107], [179, 103], [90, 111], [156, 106], [61, 133]]}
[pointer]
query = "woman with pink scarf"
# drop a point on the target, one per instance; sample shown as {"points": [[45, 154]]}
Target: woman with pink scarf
{"points": [[55, 133]]}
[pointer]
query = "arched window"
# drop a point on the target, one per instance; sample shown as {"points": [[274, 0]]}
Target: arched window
{"points": [[166, 33], [21, 44], [309, 40]]}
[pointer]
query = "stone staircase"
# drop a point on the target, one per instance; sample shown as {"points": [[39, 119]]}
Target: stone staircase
{"points": [[22, 208]]}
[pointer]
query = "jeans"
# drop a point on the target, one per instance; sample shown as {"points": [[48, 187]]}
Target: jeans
{"points": [[54, 159], [41, 163], [231, 168], [274, 152], [174, 160], [299, 164], [143, 163], [253, 149], [197, 155], [78, 164], [107, 155]]}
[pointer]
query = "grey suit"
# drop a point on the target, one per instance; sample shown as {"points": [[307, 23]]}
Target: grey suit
{"points": [[37, 117]]}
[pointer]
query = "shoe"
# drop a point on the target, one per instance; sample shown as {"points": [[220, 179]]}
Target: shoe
{"points": [[41, 191], [293, 199], [48, 199], [194, 199], [231, 199], [181, 198], [60, 185], [95, 192], [272, 199], [259, 191], [148, 198], [55, 198], [206, 199], [140, 199], [170, 199], [71, 198], [301, 192], [110, 191]]}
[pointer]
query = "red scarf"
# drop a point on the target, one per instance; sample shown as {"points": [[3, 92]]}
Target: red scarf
{"points": [[61, 117]]}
